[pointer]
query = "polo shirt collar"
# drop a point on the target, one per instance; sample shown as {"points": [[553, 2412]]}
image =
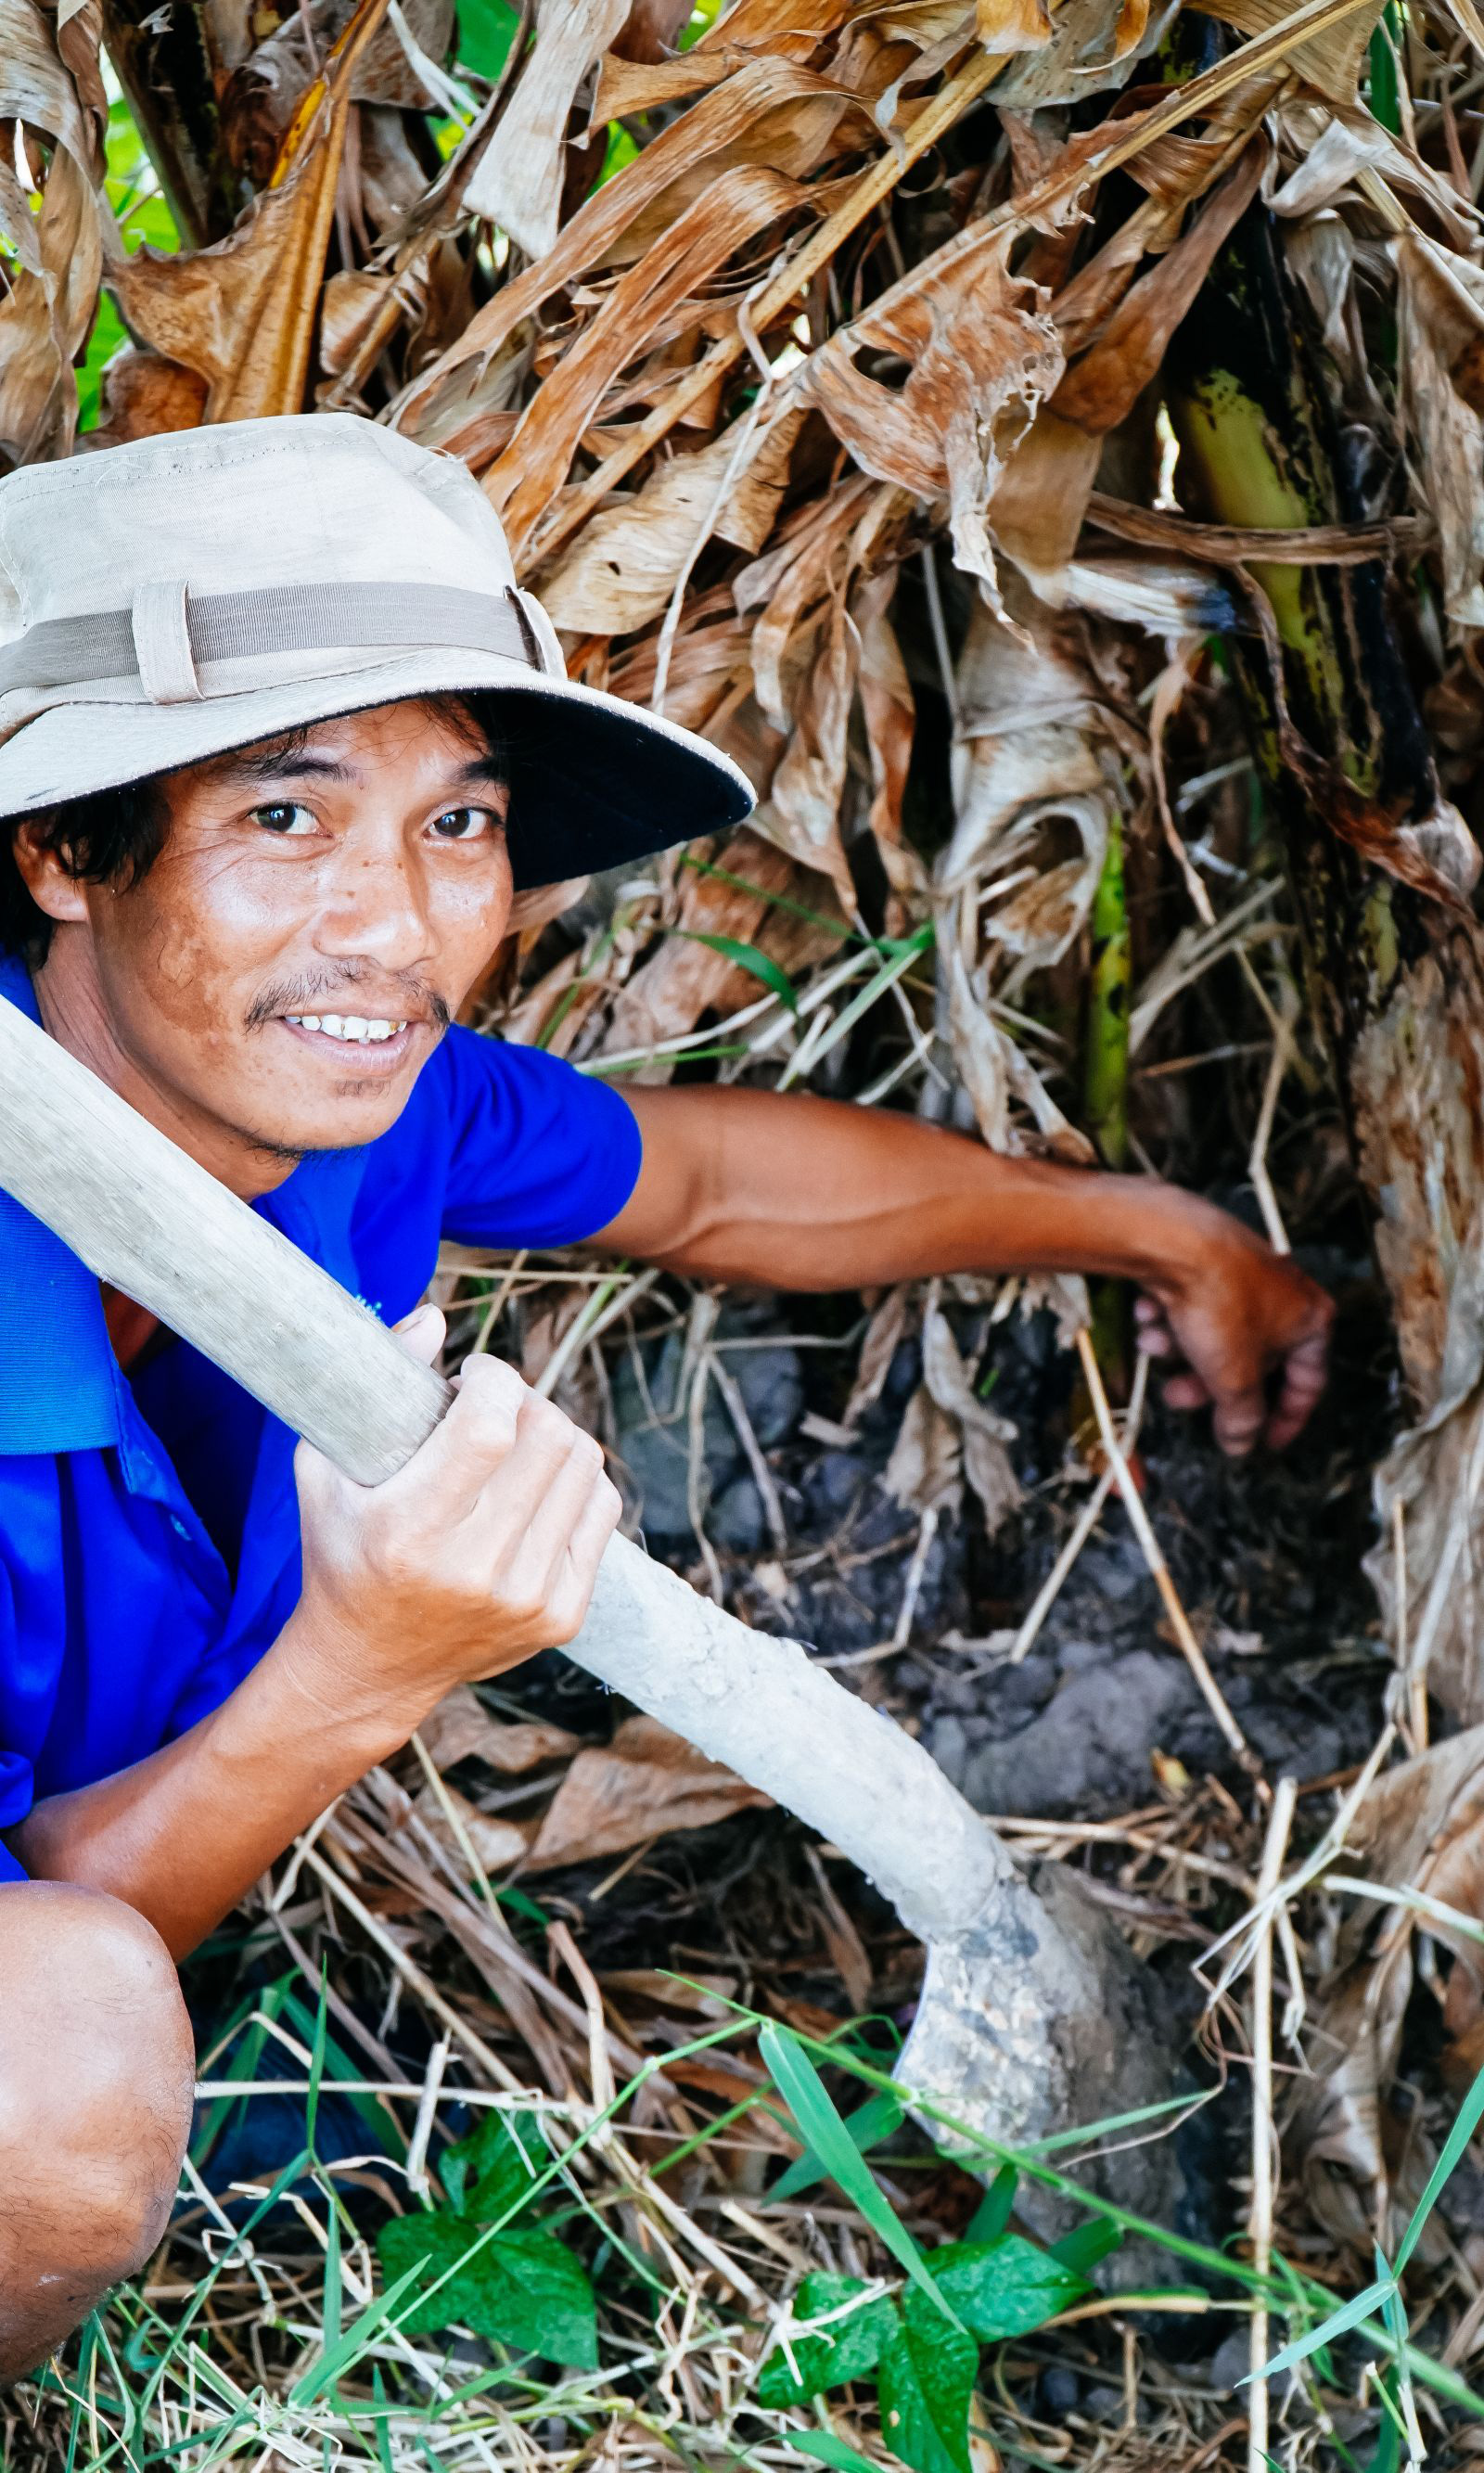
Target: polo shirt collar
{"points": [[60, 1387], [58, 1380]]}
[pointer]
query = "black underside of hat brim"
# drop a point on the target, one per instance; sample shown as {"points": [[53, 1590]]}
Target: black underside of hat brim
{"points": [[592, 789]]}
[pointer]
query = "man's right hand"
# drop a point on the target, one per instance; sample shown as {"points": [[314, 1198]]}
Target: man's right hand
{"points": [[483, 1550]]}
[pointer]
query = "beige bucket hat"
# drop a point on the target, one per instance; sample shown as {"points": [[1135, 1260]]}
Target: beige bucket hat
{"points": [[169, 599]]}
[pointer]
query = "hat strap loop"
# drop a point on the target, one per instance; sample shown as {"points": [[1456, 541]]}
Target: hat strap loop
{"points": [[162, 644]]}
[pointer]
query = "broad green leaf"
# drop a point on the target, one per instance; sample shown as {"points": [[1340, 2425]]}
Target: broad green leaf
{"points": [[875, 2121], [1005, 2287], [848, 2349], [748, 957], [926, 2382], [487, 30], [488, 2174], [109, 332], [808, 2098], [521, 2287]]}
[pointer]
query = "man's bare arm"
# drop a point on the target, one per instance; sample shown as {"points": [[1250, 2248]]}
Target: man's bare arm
{"points": [[797, 1192], [183, 1836], [480, 1551]]}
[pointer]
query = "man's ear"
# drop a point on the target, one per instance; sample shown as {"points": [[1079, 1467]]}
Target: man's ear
{"points": [[50, 883]]}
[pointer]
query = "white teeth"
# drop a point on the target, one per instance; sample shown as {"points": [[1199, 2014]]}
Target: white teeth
{"points": [[348, 1027]]}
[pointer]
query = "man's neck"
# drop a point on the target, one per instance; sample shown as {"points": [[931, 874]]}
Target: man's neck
{"points": [[73, 1011]]}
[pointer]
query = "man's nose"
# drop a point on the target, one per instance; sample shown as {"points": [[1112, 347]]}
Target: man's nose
{"points": [[375, 908]]}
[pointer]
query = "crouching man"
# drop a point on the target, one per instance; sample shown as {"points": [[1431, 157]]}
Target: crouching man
{"points": [[278, 737]]}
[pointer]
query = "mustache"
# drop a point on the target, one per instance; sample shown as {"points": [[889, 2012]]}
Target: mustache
{"points": [[418, 1000]]}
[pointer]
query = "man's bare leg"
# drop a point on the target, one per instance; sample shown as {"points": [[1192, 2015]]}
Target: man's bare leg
{"points": [[96, 2076]]}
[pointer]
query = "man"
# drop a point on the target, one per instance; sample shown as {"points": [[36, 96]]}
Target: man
{"points": [[277, 736]]}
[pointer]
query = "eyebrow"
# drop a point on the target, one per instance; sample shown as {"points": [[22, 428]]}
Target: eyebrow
{"points": [[282, 764], [487, 768], [287, 764]]}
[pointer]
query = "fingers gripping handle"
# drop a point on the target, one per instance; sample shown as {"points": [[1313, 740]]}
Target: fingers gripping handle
{"points": [[148, 1220]]}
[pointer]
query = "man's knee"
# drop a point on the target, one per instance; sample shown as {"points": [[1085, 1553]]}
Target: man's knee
{"points": [[95, 2103]]}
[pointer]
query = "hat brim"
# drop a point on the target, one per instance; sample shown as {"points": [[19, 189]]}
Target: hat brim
{"points": [[594, 783]]}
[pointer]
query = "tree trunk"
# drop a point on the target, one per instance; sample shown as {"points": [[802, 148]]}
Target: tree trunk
{"points": [[1381, 869]]}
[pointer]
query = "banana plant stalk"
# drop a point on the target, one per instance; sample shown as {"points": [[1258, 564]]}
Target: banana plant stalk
{"points": [[1381, 868], [1106, 1071]]}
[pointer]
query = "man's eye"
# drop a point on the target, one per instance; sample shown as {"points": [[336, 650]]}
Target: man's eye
{"points": [[285, 816], [465, 823]]}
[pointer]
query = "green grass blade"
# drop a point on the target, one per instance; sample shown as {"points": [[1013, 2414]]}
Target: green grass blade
{"points": [[334, 2288], [336, 2359], [1339, 2323], [750, 958], [877, 2119], [826, 2449], [379, 2420], [1457, 2140], [322, 2028], [807, 2098]]}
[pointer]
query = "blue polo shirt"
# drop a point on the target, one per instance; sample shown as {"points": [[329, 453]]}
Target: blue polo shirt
{"points": [[149, 1527]]}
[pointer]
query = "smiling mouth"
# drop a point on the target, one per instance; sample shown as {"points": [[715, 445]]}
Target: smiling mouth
{"points": [[372, 1041]]}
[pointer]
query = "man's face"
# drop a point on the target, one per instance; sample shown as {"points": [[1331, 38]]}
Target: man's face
{"points": [[319, 911]]}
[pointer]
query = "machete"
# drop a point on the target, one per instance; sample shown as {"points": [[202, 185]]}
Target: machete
{"points": [[1015, 2010]]}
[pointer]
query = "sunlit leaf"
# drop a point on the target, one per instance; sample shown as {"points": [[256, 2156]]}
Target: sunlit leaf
{"points": [[848, 2349], [522, 2287], [926, 2382]]}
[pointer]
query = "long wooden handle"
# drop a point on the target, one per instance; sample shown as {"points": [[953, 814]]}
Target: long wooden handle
{"points": [[149, 1221]]}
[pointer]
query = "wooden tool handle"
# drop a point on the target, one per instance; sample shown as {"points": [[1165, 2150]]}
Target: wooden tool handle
{"points": [[149, 1221]]}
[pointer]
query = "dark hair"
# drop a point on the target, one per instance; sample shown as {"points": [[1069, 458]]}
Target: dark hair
{"points": [[109, 837], [115, 836]]}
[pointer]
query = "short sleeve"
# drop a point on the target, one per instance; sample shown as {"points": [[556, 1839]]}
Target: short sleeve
{"points": [[540, 1154], [17, 1779]]}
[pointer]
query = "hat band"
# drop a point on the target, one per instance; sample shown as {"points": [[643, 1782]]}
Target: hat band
{"points": [[169, 631]]}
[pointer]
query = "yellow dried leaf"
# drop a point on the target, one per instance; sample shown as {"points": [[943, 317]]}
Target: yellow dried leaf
{"points": [[524, 479], [1101, 388], [626, 86], [518, 181], [242, 313], [624, 565], [1013, 25], [770, 114], [1329, 62]]}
